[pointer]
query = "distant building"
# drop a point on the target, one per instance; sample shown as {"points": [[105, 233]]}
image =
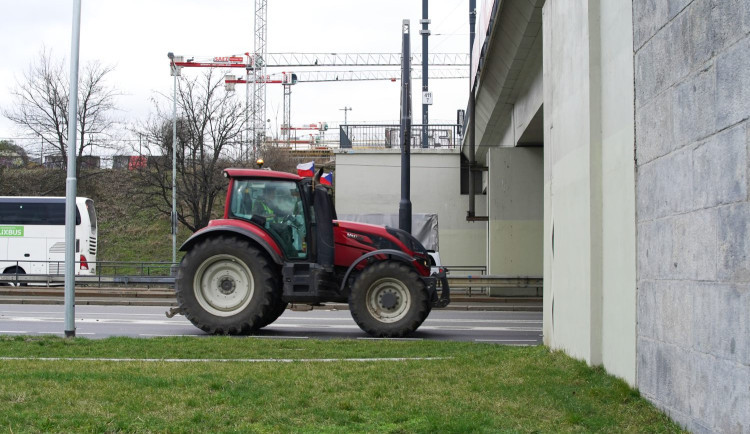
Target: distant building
{"points": [[86, 162], [9, 158]]}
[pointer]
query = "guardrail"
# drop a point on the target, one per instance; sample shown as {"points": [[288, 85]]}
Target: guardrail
{"points": [[159, 275], [107, 273]]}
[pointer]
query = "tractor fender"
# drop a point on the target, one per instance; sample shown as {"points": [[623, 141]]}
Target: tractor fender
{"points": [[270, 247], [397, 253]]}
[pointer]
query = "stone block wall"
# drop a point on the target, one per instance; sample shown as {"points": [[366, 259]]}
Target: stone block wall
{"points": [[692, 111]]}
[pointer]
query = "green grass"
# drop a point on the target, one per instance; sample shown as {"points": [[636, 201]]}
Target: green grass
{"points": [[472, 388]]}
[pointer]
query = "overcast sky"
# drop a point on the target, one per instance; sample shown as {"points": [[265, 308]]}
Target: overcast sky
{"points": [[136, 35]]}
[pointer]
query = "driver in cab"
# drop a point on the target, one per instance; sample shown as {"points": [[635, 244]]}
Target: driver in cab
{"points": [[267, 205]]}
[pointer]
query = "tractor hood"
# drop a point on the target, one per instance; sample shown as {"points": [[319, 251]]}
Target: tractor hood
{"points": [[378, 237]]}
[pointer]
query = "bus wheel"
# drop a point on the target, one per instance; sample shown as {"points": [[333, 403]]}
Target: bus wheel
{"points": [[14, 271]]}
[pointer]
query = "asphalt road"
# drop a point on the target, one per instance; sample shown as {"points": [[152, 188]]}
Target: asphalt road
{"points": [[95, 322]]}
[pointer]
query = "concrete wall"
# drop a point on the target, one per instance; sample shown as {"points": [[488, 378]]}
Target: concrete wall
{"points": [[618, 233], [369, 181], [589, 200], [516, 210], [692, 81]]}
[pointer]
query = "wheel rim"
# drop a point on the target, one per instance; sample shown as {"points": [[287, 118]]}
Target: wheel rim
{"points": [[388, 300], [223, 285]]}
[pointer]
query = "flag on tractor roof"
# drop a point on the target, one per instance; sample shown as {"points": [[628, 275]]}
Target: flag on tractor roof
{"points": [[306, 169], [327, 179]]}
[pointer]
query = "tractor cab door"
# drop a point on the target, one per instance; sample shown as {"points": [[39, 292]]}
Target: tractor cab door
{"points": [[325, 214], [277, 206]]}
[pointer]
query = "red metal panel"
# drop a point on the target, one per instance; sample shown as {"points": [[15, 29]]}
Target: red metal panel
{"points": [[258, 173], [241, 224]]}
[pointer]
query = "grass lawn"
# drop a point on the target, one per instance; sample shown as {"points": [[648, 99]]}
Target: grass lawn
{"points": [[463, 387]]}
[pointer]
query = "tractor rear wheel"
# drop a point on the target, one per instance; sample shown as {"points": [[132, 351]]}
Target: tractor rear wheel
{"points": [[225, 285], [388, 299], [277, 310]]}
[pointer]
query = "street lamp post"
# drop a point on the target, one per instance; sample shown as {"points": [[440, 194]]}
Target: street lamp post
{"points": [[175, 73], [70, 182]]}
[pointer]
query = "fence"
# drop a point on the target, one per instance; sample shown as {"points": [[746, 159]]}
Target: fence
{"points": [[388, 136]]}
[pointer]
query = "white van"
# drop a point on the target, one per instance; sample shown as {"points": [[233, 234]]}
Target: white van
{"points": [[32, 235]]}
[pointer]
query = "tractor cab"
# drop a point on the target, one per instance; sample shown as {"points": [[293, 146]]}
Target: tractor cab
{"points": [[298, 217]]}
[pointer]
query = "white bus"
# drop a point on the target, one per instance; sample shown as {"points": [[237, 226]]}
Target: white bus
{"points": [[32, 235]]}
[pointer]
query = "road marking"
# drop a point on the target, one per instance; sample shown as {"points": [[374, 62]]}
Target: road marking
{"points": [[505, 340], [97, 320], [423, 327], [452, 320], [279, 337], [13, 331], [126, 360], [390, 339], [150, 335]]}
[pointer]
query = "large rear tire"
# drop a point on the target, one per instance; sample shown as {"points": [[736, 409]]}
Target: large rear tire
{"points": [[388, 299], [225, 285], [277, 310]]}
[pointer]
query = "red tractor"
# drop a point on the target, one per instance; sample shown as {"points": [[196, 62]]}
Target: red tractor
{"points": [[279, 242]]}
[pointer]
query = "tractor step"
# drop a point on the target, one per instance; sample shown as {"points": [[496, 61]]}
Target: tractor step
{"points": [[308, 282]]}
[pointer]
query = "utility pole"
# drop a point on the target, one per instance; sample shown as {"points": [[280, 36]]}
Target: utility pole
{"points": [[426, 95], [346, 109], [404, 206]]}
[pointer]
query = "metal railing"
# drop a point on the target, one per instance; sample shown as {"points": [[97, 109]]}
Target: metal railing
{"points": [[382, 136], [107, 273], [468, 279]]}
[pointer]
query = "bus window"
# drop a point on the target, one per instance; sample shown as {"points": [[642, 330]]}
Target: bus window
{"points": [[34, 213], [92, 213]]}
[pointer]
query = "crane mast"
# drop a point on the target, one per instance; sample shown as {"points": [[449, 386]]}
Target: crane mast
{"points": [[257, 128]]}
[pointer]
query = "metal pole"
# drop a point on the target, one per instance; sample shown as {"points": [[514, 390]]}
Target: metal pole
{"points": [[247, 106], [346, 120], [70, 182], [175, 73], [404, 206], [174, 172], [425, 107], [472, 119]]}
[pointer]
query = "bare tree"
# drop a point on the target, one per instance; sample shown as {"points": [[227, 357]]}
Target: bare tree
{"points": [[208, 135], [41, 103]]}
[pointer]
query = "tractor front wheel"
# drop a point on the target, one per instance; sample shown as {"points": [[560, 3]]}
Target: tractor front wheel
{"points": [[388, 299], [225, 285]]}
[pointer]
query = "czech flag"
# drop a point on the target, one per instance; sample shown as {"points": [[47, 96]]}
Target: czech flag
{"points": [[327, 179], [306, 169]]}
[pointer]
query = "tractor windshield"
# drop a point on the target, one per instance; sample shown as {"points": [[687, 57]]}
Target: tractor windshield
{"points": [[277, 207]]}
